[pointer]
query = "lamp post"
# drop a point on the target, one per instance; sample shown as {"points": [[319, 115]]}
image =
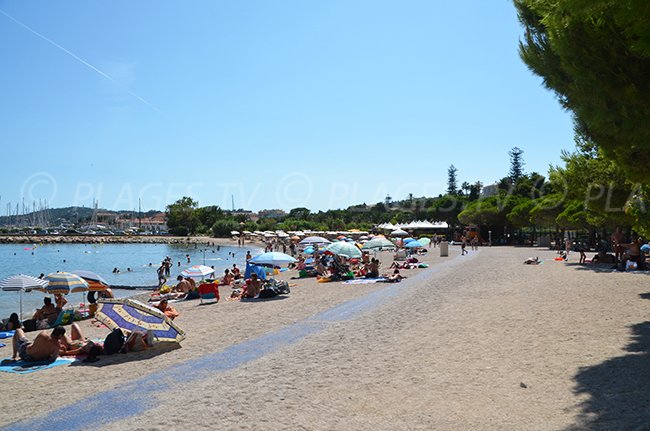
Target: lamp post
{"points": [[490, 238]]}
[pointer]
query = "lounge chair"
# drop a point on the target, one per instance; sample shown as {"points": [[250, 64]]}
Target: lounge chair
{"points": [[209, 292], [65, 317]]}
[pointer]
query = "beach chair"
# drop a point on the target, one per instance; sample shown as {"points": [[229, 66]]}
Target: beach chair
{"points": [[209, 292], [65, 317]]}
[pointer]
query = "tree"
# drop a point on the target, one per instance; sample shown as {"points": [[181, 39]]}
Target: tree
{"points": [[595, 55], [516, 164], [181, 216], [452, 186]]}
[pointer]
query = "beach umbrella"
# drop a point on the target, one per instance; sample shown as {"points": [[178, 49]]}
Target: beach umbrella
{"points": [[197, 271], [130, 315], [96, 283], [399, 232], [407, 240], [309, 250], [413, 244], [254, 269], [342, 248], [64, 283], [378, 244], [315, 240], [273, 258], [22, 283], [424, 241]]}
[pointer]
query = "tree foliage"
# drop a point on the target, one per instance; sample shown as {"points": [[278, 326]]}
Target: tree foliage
{"points": [[595, 55]]}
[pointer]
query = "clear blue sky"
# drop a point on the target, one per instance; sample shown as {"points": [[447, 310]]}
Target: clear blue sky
{"points": [[282, 104]]}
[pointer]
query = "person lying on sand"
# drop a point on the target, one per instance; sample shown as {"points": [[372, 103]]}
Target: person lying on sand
{"points": [[45, 347], [169, 311], [76, 344], [532, 261]]}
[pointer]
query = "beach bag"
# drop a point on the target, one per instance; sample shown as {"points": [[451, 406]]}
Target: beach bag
{"points": [[114, 342], [282, 288], [267, 293]]}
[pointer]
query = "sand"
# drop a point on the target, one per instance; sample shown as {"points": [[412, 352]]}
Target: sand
{"points": [[475, 342]]}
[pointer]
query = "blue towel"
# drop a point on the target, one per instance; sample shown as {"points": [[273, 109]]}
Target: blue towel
{"points": [[7, 334], [23, 367]]}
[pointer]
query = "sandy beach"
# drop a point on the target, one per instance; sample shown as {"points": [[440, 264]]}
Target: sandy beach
{"points": [[473, 342]]}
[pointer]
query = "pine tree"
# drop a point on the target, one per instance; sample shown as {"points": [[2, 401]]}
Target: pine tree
{"points": [[452, 187], [516, 164]]}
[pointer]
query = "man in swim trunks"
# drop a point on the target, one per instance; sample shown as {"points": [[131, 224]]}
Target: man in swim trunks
{"points": [[44, 347]]}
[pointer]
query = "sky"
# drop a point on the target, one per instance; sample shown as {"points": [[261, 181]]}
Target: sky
{"points": [[272, 104]]}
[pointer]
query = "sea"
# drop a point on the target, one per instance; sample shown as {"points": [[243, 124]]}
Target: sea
{"points": [[137, 265]]}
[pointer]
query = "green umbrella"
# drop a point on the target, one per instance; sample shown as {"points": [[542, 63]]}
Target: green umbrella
{"points": [[424, 241], [378, 244], [343, 248]]}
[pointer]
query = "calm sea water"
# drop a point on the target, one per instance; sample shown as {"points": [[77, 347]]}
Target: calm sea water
{"points": [[34, 259]]}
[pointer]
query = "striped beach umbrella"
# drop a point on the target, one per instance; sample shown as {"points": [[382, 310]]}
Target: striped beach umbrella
{"points": [[96, 283], [130, 315], [197, 271], [64, 283], [22, 283]]}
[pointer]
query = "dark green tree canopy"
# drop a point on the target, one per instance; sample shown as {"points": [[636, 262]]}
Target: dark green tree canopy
{"points": [[595, 55]]}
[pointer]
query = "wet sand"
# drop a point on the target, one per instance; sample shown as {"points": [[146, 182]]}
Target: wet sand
{"points": [[475, 342]]}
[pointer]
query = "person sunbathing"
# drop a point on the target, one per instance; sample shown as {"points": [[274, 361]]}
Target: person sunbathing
{"points": [[45, 347], [532, 261], [76, 344], [253, 287], [169, 311], [395, 277]]}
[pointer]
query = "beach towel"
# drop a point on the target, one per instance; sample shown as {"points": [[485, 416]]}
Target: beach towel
{"points": [[365, 280], [23, 367], [7, 334]]}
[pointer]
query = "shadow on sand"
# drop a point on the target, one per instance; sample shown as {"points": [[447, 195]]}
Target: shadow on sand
{"points": [[120, 358], [618, 389]]}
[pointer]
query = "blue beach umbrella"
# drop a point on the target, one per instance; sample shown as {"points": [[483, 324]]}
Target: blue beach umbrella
{"points": [[64, 283], [407, 240], [254, 269], [413, 244], [309, 250], [130, 315], [273, 258]]}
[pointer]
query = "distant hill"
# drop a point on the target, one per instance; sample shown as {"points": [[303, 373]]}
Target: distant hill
{"points": [[58, 216]]}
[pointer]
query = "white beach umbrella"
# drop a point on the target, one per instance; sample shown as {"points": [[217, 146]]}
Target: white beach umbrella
{"points": [[315, 240], [22, 283]]}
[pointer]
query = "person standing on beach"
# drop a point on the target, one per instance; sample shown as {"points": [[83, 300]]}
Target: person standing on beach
{"points": [[463, 245], [617, 244]]}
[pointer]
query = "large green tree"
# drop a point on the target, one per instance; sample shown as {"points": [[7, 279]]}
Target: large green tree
{"points": [[595, 55], [181, 216]]}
